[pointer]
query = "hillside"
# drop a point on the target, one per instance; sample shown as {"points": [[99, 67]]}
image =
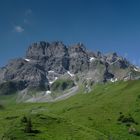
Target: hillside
{"points": [[109, 112]]}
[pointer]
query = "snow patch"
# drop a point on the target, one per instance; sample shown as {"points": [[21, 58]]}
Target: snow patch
{"points": [[51, 82], [89, 78], [72, 75], [51, 71], [92, 59], [28, 60], [136, 69], [113, 80], [48, 92]]}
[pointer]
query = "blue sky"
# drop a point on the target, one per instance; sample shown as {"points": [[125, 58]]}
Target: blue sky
{"points": [[104, 25]]}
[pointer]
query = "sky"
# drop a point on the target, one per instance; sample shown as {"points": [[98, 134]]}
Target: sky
{"points": [[101, 25]]}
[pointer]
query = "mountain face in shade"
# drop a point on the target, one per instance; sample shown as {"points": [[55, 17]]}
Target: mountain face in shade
{"points": [[46, 63]]}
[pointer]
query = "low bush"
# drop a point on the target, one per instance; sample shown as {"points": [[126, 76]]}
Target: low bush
{"points": [[126, 119]]}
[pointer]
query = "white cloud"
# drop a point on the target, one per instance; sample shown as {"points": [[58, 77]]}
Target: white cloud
{"points": [[25, 21], [18, 29]]}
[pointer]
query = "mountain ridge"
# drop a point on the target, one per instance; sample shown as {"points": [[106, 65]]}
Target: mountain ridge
{"points": [[45, 63]]}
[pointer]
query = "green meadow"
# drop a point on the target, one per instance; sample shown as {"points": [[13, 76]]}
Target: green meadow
{"points": [[109, 112]]}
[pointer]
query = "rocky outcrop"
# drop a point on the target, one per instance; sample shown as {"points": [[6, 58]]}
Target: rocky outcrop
{"points": [[50, 55], [78, 58], [32, 74]]}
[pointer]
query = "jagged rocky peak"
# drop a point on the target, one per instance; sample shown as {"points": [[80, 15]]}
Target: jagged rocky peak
{"points": [[79, 47], [78, 50], [36, 50], [99, 54], [112, 57], [78, 58], [54, 49], [117, 61], [40, 49], [58, 57]]}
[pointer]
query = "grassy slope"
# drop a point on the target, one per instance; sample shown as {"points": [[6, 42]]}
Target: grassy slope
{"points": [[91, 116]]}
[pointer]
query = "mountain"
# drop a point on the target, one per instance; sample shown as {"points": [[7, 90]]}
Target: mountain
{"points": [[54, 71]]}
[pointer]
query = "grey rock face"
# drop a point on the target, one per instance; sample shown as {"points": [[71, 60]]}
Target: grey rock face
{"points": [[37, 50], [2, 74], [112, 58], [78, 58], [50, 55], [30, 73]]}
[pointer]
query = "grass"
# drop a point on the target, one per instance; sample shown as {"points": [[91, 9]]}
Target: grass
{"points": [[92, 116]]}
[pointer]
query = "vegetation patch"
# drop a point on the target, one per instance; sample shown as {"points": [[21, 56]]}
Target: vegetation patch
{"points": [[62, 84], [11, 117], [126, 119], [10, 87], [1, 106], [129, 121]]}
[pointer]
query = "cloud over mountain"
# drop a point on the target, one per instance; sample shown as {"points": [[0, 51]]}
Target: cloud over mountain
{"points": [[18, 29]]}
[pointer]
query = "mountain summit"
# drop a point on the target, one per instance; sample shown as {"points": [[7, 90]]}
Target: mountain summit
{"points": [[54, 69]]}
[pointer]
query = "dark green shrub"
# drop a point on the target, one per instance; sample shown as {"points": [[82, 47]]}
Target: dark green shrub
{"points": [[24, 119], [137, 133], [121, 117], [89, 118], [128, 124], [126, 119], [7, 88], [1, 106], [27, 123], [11, 117], [138, 96], [28, 126], [11, 87]]}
